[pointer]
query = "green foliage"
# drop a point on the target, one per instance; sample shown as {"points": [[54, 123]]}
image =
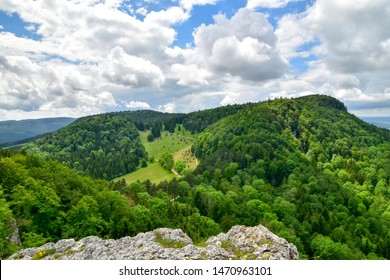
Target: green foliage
{"points": [[150, 137], [6, 229], [305, 168], [180, 165], [104, 146], [32, 239], [84, 219], [326, 249], [166, 161], [43, 253], [168, 243]]}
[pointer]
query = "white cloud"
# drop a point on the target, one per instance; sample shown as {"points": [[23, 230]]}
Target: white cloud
{"points": [[189, 75], [142, 11], [188, 4], [30, 27], [95, 56], [137, 105], [292, 32], [241, 46], [167, 17], [252, 4], [168, 108], [356, 35], [123, 69]]}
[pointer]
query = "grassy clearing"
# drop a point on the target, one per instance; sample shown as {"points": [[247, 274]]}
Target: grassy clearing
{"points": [[167, 143], [153, 172], [178, 144]]}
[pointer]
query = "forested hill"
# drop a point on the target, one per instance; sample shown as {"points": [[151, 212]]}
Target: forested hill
{"points": [[107, 146], [307, 169], [103, 146]]}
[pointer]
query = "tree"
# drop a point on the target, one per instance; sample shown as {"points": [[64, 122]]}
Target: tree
{"points": [[180, 165], [6, 228], [326, 249], [166, 161], [150, 137], [84, 219]]}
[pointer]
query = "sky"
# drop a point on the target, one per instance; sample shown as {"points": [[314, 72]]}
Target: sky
{"points": [[72, 58]]}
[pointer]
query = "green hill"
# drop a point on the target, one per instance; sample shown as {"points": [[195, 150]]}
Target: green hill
{"points": [[307, 169], [108, 146], [104, 146]]}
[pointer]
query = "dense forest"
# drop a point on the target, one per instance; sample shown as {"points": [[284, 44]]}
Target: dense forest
{"points": [[104, 146], [305, 168]]}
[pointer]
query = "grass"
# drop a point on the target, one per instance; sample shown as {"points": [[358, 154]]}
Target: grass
{"points": [[167, 143], [153, 172], [168, 243], [43, 253], [186, 155], [178, 144]]}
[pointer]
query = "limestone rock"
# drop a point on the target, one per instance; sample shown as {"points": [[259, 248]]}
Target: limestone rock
{"points": [[239, 242]]}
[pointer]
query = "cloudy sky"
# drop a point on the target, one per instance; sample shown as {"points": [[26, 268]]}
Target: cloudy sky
{"points": [[80, 57]]}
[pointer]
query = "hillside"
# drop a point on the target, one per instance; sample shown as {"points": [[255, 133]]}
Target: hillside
{"points": [[108, 146], [11, 131], [104, 146], [305, 168], [44, 201]]}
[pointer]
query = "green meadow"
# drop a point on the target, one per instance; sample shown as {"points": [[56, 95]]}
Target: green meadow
{"points": [[178, 144]]}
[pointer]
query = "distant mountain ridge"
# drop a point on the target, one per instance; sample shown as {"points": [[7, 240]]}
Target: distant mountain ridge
{"points": [[11, 131], [383, 122]]}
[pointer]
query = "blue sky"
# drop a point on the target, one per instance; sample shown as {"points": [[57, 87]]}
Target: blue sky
{"points": [[74, 58]]}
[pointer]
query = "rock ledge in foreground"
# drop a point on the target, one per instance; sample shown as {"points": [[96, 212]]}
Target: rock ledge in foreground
{"points": [[239, 242]]}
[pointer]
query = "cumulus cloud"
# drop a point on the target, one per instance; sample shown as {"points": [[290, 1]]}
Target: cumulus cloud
{"points": [[137, 105], [292, 32], [268, 3], [31, 86], [168, 17], [242, 46], [356, 38], [188, 4], [95, 56], [128, 70], [168, 108], [189, 75]]}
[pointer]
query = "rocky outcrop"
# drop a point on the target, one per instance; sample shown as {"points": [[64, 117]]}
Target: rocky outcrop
{"points": [[170, 244]]}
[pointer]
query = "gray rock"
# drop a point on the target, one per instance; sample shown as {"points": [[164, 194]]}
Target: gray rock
{"points": [[15, 237], [239, 242]]}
